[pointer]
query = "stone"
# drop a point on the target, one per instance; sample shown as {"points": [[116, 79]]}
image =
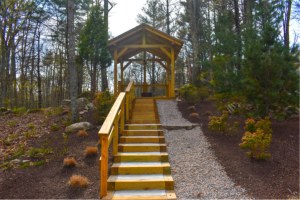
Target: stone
{"points": [[90, 107], [15, 161], [66, 102], [81, 103], [79, 126], [25, 161]]}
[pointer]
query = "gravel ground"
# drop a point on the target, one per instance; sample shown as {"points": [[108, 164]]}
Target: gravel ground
{"points": [[195, 169]]}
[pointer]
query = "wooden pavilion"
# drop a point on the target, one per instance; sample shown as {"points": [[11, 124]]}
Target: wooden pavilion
{"points": [[141, 40]]}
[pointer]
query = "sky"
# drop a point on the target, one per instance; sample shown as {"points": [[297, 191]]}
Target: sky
{"points": [[123, 15], [123, 18]]}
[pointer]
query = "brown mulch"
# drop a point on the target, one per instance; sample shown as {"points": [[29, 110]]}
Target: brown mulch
{"points": [[277, 177], [50, 181]]}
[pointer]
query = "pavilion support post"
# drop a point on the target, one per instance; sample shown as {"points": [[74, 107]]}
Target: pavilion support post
{"points": [[145, 66], [122, 76], [115, 73], [172, 92], [168, 79]]}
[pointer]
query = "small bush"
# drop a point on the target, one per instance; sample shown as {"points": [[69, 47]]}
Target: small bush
{"points": [[78, 181], [70, 162], [189, 93], [90, 151], [218, 123], [103, 102], [257, 138], [82, 133]]}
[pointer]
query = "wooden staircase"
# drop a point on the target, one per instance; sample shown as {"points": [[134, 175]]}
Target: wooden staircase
{"points": [[141, 169]]}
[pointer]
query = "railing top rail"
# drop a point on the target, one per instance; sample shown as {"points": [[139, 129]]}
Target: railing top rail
{"points": [[128, 88], [108, 123]]}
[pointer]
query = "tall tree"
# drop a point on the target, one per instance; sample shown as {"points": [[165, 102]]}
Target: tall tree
{"points": [[93, 44], [71, 60]]}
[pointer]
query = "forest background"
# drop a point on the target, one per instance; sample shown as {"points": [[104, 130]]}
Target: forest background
{"points": [[51, 50]]}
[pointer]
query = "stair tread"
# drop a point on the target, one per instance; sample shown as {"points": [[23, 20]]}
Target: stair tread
{"points": [[142, 136], [140, 164], [140, 177], [140, 193], [141, 144], [142, 153]]}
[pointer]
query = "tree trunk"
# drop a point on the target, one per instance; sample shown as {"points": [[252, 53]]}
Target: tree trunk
{"points": [[71, 60], [39, 82], [104, 82], [238, 33], [286, 23]]}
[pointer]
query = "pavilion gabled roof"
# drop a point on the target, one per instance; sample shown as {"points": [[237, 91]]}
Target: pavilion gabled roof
{"points": [[144, 38]]}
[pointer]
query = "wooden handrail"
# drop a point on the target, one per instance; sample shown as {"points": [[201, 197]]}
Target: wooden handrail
{"points": [[110, 131]]}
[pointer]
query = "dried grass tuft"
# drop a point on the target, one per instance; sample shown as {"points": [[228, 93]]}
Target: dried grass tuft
{"points": [[90, 151], [70, 162], [78, 181], [194, 115], [82, 133]]}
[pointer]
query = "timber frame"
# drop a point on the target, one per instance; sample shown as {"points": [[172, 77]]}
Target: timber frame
{"points": [[145, 39]]}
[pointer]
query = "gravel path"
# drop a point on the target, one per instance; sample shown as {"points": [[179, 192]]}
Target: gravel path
{"points": [[195, 169]]}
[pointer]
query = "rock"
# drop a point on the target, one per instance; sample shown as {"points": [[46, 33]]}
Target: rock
{"points": [[66, 102], [83, 112], [15, 161], [82, 103], [79, 126], [2, 109], [25, 161], [90, 107]]}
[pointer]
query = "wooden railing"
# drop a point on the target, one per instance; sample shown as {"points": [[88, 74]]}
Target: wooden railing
{"points": [[113, 124]]}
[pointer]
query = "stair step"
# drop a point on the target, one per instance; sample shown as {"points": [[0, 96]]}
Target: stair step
{"points": [[142, 147], [143, 121], [140, 182], [141, 168], [141, 157], [142, 132], [142, 195], [142, 139], [143, 126]]}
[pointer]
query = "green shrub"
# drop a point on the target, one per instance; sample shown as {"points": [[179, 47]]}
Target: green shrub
{"points": [[103, 102], [189, 93], [218, 123], [19, 111], [257, 138]]}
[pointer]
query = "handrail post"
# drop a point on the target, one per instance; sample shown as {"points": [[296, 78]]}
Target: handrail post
{"points": [[115, 138], [103, 165], [122, 120]]}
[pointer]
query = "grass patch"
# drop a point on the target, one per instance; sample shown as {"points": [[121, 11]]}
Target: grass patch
{"points": [[90, 151], [31, 126], [12, 123], [54, 127], [39, 163], [78, 181], [38, 152]]}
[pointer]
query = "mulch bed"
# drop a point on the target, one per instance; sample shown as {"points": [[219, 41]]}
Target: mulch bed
{"points": [[50, 181], [277, 177]]}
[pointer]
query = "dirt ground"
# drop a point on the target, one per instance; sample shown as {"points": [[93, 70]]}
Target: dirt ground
{"points": [[50, 180], [277, 177]]}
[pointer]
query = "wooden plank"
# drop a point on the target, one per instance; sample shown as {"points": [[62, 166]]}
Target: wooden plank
{"points": [[107, 125], [104, 165]]}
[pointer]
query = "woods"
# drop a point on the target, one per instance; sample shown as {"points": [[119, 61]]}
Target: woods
{"points": [[233, 48]]}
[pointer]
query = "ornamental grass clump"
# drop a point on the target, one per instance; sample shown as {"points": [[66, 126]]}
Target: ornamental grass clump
{"points": [[257, 138], [70, 162], [90, 151], [78, 181]]}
